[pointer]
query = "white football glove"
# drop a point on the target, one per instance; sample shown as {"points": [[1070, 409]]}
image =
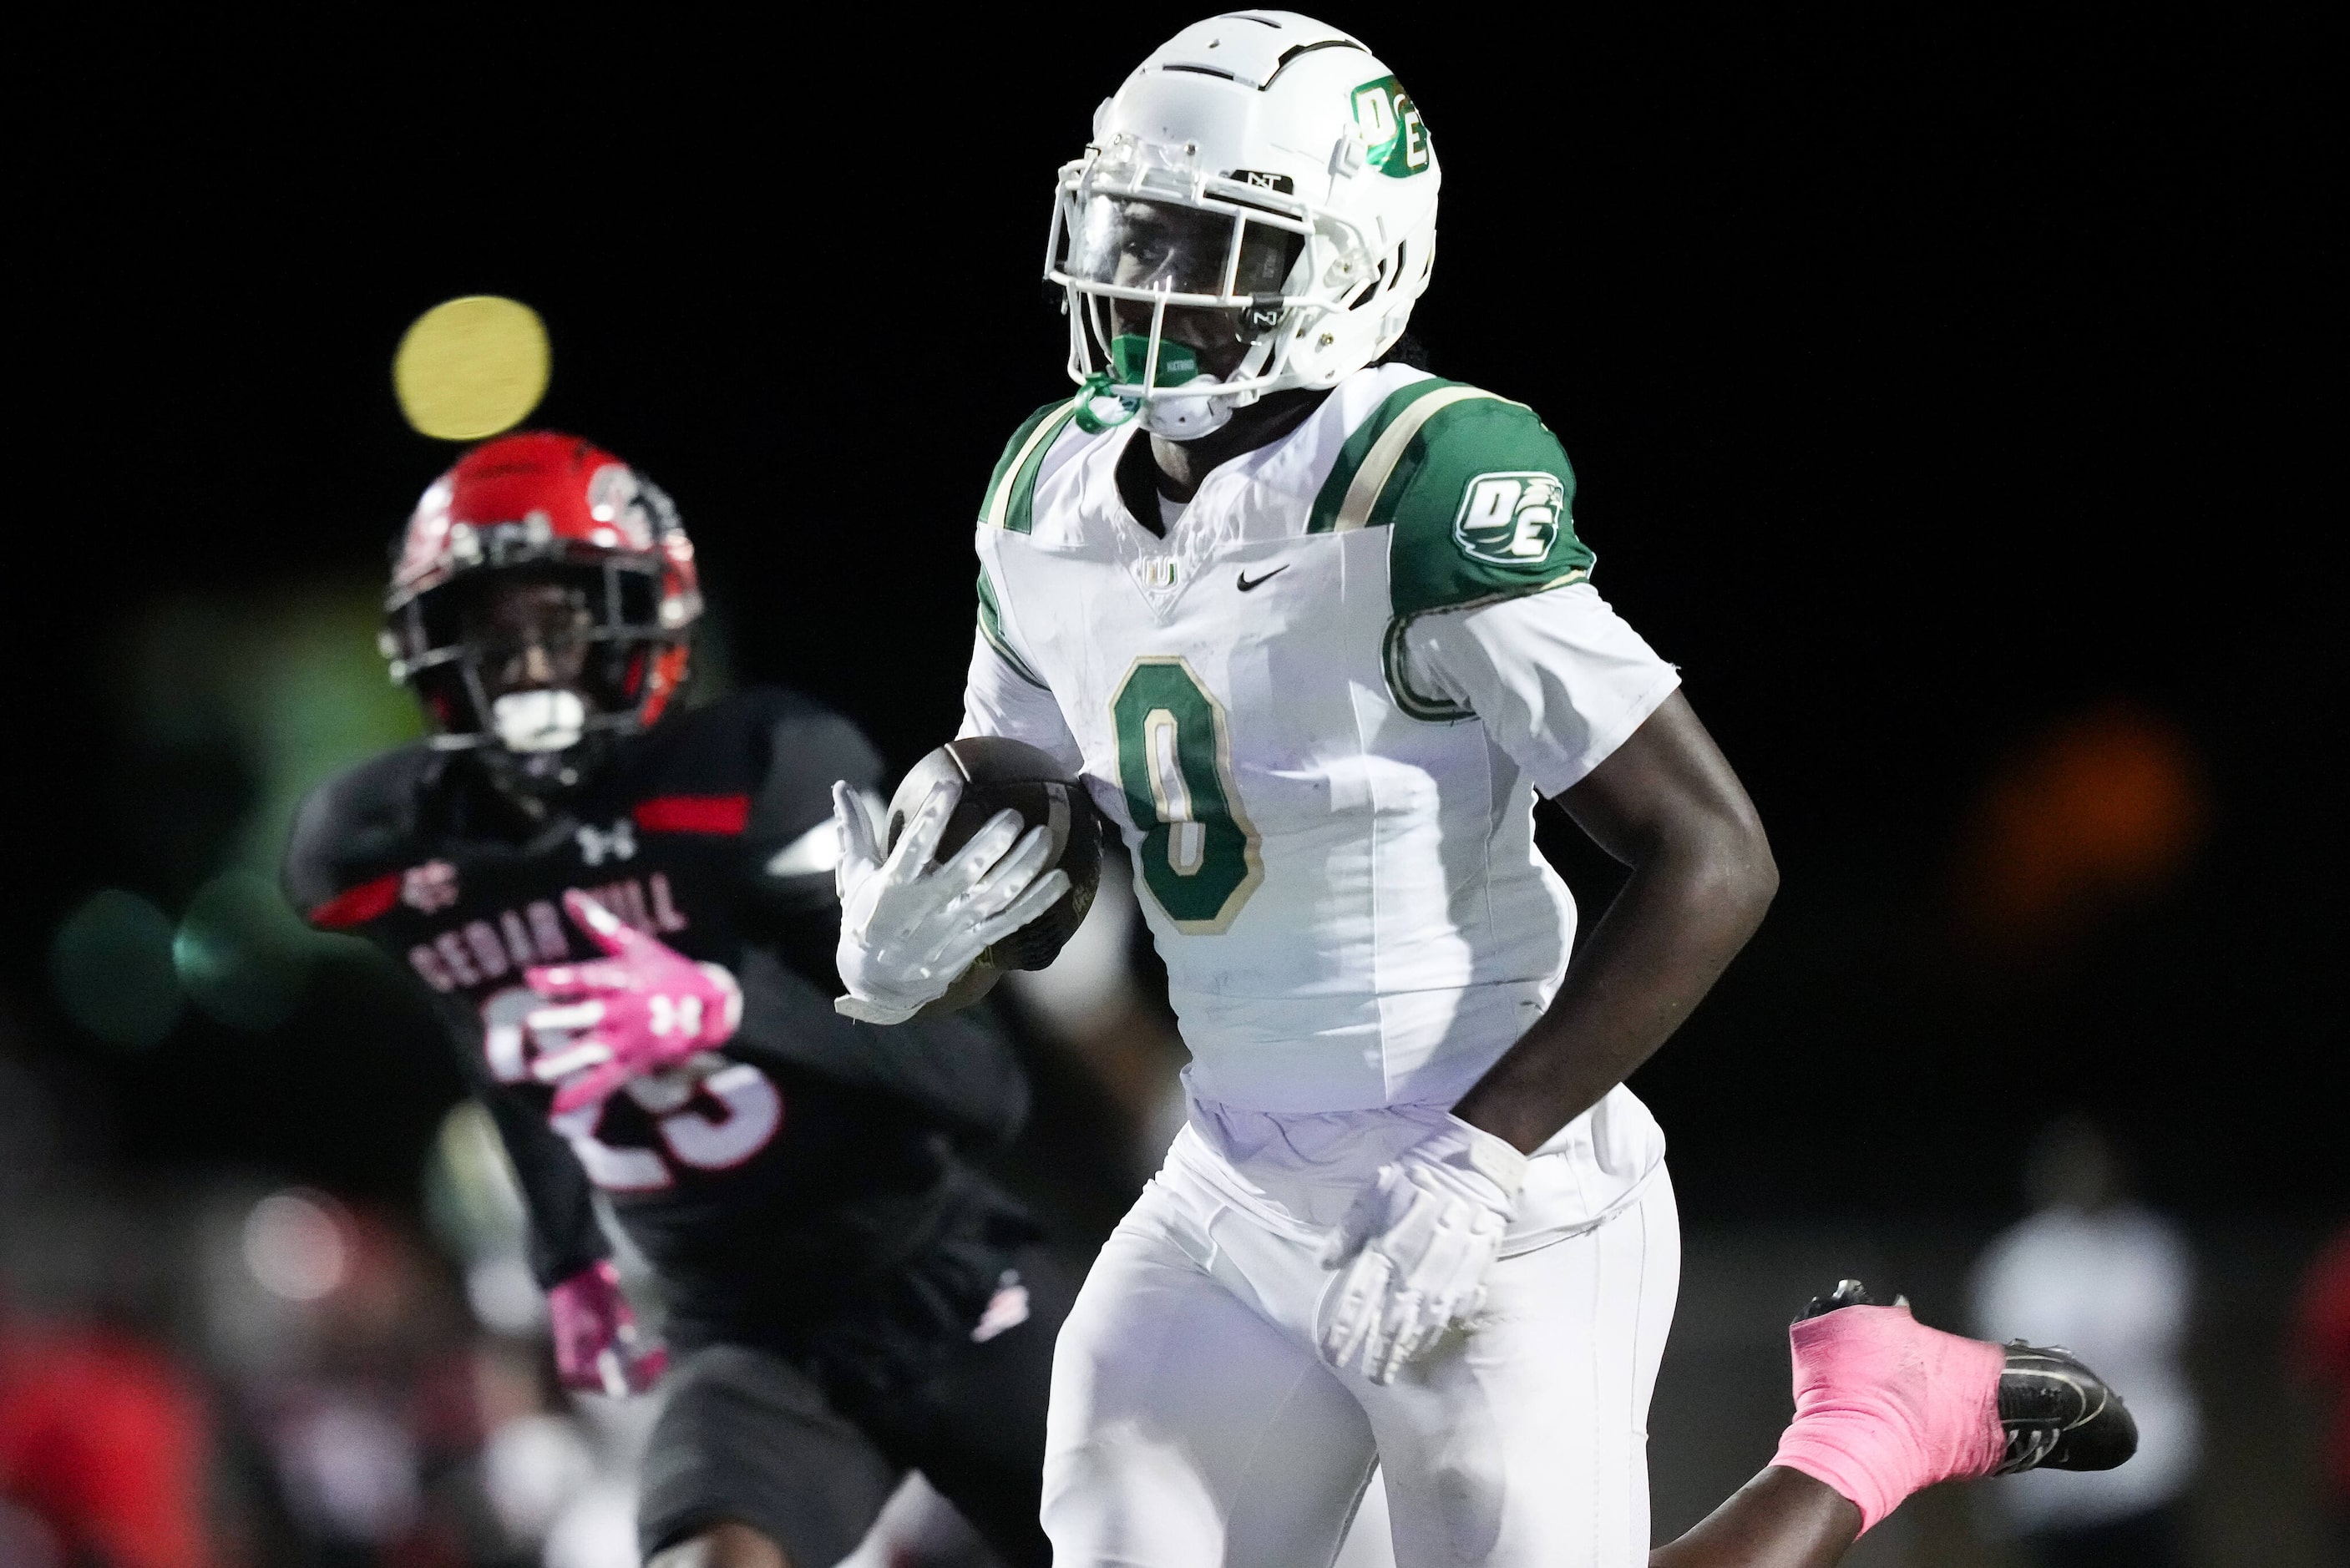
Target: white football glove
{"points": [[909, 930], [1413, 1252]]}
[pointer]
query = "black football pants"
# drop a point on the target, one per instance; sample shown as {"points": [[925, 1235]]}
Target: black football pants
{"points": [[747, 1433]]}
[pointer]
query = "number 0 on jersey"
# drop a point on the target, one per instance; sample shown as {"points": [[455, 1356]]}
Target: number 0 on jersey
{"points": [[1199, 855]]}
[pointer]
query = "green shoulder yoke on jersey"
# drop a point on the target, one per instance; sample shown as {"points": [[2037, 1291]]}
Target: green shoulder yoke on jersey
{"points": [[1012, 489], [1478, 495]]}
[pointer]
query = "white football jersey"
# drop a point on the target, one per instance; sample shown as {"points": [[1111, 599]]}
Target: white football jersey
{"points": [[1319, 709]]}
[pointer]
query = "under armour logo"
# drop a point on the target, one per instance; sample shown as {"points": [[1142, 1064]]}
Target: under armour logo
{"points": [[674, 1014], [620, 843]]}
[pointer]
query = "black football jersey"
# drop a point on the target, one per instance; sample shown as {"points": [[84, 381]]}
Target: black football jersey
{"points": [[773, 1183]]}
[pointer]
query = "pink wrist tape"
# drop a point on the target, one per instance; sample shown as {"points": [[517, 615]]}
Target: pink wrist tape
{"points": [[1885, 1406]]}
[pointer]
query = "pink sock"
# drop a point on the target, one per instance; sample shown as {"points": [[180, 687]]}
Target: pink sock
{"points": [[1886, 1406]]}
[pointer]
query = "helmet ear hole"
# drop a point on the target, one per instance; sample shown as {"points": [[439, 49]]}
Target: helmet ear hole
{"points": [[1384, 282]]}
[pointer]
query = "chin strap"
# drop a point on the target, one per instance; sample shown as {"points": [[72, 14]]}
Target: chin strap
{"points": [[1136, 359], [1094, 396]]}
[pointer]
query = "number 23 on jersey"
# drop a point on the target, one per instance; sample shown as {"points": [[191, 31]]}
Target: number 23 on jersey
{"points": [[751, 1107]]}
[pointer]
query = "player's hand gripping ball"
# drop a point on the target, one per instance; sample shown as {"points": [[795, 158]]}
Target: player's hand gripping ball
{"points": [[950, 876], [998, 775]]}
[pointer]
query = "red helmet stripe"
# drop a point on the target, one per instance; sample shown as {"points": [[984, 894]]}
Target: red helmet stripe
{"points": [[357, 906]]}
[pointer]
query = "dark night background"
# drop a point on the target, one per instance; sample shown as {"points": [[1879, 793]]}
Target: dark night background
{"points": [[1937, 385], [1953, 397]]}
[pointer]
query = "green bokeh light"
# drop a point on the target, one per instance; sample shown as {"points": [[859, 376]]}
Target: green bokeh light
{"points": [[241, 953], [112, 965]]}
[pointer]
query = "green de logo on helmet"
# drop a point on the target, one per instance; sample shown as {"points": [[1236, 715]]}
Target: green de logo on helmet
{"points": [[1396, 142]]}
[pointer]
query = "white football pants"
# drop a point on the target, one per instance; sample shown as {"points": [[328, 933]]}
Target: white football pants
{"points": [[1193, 1425]]}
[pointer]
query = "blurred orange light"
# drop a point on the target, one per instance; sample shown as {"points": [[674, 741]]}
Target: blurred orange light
{"points": [[2106, 805]]}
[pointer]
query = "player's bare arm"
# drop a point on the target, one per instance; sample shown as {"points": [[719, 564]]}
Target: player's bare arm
{"points": [[1667, 805], [1780, 1519]]}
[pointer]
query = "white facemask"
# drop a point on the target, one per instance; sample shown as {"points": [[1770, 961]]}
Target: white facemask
{"points": [[542, 721]]}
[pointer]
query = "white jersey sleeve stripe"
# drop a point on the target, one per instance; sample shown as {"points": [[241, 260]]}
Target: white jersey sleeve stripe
{"points": [[999, 505], [1381, 461]]}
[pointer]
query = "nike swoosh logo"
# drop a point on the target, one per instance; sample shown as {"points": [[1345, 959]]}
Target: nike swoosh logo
{"points": [[1247, 582]]}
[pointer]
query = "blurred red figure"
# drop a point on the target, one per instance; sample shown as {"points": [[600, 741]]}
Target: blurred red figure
{"points": [[106, 1443], [2325, 1349]]}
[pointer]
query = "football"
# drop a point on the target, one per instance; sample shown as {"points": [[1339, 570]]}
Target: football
{"points": [[1001, 774]]}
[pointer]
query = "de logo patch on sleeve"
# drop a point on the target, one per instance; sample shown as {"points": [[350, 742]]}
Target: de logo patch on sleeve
{"points": [[1510, 519]]}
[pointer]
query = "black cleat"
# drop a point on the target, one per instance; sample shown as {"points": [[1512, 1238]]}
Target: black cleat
{"points": [[1849, 1292], [2058, 1415]]}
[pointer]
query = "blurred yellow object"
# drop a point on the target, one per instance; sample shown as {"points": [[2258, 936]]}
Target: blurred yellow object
{"points": [[471, 366]]}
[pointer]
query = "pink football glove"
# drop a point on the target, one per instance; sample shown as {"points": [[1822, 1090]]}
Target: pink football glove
{"points": [[644, 1008], [597, 1349]]}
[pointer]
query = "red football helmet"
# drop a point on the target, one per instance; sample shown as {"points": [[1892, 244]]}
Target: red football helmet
{"points": [[541, 508]]}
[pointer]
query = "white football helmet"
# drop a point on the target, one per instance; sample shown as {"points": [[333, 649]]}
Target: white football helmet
{"points": [[1259, 163]]}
